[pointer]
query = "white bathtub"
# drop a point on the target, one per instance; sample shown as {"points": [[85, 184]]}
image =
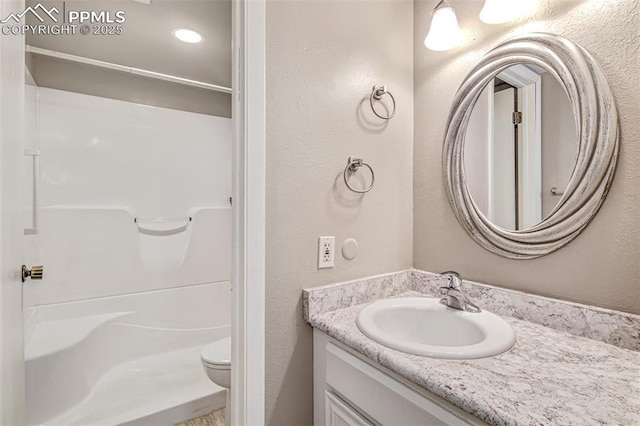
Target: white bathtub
{"points": [[131, 359]]}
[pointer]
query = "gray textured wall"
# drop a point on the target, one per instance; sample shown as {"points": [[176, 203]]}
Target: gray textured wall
{"points": [[601, 266], [323, 57]]}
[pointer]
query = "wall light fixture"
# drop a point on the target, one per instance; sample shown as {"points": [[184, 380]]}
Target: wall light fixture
{"points": [[444, 33]]}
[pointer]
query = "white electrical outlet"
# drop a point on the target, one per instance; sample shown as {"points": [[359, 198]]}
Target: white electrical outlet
{"points": [[326, 249]]}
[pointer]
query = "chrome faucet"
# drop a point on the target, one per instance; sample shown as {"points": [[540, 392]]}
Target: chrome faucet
{"points": [[453, 296]]}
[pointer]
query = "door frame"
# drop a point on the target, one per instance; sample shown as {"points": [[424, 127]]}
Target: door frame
{"points": [[248, 272], [529, 84], [12, 93]]}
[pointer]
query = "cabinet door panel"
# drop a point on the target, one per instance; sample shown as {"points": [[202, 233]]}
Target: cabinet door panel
{"points": [[340, 414]]}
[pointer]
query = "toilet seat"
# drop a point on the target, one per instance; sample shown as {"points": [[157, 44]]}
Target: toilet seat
{"points": [[218, 355]]}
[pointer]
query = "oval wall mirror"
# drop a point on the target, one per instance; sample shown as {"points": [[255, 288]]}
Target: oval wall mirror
{"points": [[531, 146]]}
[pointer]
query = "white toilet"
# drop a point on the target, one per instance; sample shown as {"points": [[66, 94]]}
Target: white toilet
{"points": [[216, 360]]}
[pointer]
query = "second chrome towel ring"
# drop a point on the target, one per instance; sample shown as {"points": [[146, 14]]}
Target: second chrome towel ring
{"points": [[353, 164], [376, 94]]}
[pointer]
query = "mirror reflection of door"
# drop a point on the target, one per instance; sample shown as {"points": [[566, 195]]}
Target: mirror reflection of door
{"points": [[504, 152], [520, 143]]}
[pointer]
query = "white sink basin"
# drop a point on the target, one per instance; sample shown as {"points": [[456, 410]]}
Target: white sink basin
{"points": [[424, 326]]}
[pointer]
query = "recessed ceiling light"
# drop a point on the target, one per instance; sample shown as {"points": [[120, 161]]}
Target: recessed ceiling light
{"points": [[188, 36]]}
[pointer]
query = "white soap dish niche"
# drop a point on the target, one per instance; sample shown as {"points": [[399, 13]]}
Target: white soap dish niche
{"points": [[164, 242]]}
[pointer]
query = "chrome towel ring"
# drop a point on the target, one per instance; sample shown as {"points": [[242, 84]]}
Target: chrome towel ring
{"points": [[353, 164], [376, 94]]}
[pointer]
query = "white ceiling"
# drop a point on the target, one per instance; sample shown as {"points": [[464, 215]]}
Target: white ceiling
{"points": [[147, 41]]}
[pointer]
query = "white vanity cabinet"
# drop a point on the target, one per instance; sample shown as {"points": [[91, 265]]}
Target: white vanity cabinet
{"points": [[351, 390]]}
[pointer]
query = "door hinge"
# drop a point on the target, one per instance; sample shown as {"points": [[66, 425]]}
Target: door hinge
{"points": [[516, 117]]}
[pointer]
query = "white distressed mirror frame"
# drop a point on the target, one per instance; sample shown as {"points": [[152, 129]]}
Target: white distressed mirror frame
{"points": [[596, 127]]}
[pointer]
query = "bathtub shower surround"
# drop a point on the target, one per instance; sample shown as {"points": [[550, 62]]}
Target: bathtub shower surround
{"points": [[135, 234], [105, 163], [561, 373], [76, 242]]}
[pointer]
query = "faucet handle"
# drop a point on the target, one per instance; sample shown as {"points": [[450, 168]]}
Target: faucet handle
{"points": [[454, 296], [454, 279]]}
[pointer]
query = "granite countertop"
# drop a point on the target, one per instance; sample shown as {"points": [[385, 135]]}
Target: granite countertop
{"points": [[548, 377]]}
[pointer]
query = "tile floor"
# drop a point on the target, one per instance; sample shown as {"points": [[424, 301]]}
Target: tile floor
{"points": [[215, 418]]}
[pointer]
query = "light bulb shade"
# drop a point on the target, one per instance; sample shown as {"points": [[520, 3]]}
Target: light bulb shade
{"points": [[444, 33], [501, 11]]}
